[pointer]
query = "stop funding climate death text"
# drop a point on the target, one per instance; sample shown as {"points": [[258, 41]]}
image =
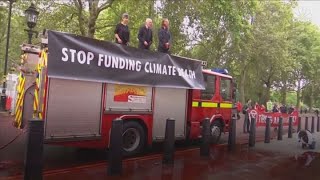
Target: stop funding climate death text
{"points": [[115, 62]]}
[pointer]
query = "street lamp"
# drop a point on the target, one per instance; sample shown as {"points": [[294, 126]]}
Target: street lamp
{"points": [[31, 17]]}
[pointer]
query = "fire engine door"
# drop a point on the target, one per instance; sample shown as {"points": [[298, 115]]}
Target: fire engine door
{"points": [[169, 103], [226, 98], [74, 109]]}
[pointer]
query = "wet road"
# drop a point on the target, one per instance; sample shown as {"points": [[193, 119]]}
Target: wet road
{"points": [[243, 164]]}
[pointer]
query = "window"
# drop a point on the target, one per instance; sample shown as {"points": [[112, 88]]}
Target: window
{"points": [[225, 89], [209, 81]]}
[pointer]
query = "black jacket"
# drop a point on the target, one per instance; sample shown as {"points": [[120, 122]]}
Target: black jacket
{"points": [[145, 34], [164, 37], [123, 33]]}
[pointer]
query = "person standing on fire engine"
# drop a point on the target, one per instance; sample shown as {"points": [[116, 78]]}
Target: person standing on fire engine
{"points": [[145, 35], [164, 37], [122, 33]]}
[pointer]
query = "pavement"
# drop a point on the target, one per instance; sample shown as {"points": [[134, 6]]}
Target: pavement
{"points": [[278, 160]]}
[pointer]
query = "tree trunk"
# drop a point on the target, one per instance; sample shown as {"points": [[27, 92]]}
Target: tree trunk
{"points": [[267, 93], [93, 16], [92, 26], [242, 86], [284, 93], [151, 8], [298, 94], [311, 97], [94, 11], [81, 17]]}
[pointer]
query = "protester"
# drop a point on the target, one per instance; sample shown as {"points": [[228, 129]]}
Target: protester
{"points": [[291, 109], [122, 32], [164, 37], [245, 109], [269, 106], [239, 108], [145, 35], [275, 108], [256, 106], [283, 108], [306, 139]]}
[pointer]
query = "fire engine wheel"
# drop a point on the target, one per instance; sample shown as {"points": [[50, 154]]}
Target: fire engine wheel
{"points": [[215, 131], [133, 138]]}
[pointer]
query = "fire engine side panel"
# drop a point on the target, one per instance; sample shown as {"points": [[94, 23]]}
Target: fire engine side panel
{"points": [[169, 103], [74, 109]]}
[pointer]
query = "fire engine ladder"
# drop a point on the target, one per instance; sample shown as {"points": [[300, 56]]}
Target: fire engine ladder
{"points": [[20, 97], [40, 90]]}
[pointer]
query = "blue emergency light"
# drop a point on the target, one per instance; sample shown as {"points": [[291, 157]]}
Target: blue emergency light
{"points": [[219, 70]]}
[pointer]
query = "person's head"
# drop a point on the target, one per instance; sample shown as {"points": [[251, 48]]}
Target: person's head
{"points": [[125, 18], [165, 23], [148, 23]]}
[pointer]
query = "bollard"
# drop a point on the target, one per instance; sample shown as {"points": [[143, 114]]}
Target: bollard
{"points": [[115, 148], [267, 131], [34, 152], [299, 124], [312, 124], [280, 129], [306, 125], [290, 128], [205, 139], [245, 122], [169, 139], [252, 133], [318, 124], [232, 133]]}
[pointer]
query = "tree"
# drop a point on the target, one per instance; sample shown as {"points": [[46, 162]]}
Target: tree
{"points": [[87, 22]]}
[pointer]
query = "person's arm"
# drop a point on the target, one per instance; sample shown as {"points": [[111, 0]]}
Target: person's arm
{"points": [[116, 34], [128, 36], [141, 35], [170, 38], [151, 39], [161, 38]]}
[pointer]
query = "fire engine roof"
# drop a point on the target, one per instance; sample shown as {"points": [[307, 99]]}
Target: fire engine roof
{"points": [[208, 71]]}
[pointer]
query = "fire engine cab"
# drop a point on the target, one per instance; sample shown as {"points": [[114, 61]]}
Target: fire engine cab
{"points": [[78, 105]]}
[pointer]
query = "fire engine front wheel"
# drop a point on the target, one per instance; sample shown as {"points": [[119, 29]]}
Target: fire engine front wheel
{"points": [[133, 138], [215, 132]]}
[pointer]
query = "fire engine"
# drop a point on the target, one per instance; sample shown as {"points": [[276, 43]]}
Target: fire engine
{"points": [[79, 112]]}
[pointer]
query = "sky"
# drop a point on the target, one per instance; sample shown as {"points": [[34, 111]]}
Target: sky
{"points": [[309, 10]]}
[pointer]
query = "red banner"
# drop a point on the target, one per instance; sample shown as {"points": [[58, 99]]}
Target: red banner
{"points": [[274, 118]]}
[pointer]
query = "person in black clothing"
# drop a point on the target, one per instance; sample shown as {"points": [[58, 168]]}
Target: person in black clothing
{"points": [[122, 33], [145, 35], [164, 37]]}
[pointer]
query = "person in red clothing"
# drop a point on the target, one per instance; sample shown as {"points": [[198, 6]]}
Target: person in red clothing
{"points": [[257, 106], [239, 109]]}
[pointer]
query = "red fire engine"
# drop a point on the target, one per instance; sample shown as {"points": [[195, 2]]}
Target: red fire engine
{"points": [[79, 113]]}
